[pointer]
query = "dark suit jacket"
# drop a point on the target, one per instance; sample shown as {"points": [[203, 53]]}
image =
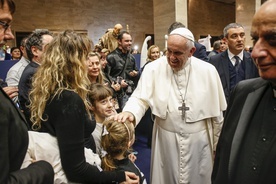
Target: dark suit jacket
{"points": [[3, 83], [221, 61], [13, 146], [200, 52], [243, 101], [24, 87]]}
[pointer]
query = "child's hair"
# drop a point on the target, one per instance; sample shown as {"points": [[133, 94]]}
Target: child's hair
{"points": [[115, 140], [98, 92]]}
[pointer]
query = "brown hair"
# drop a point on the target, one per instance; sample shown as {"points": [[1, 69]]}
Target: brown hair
{"points": [[115, 141], [10, 3], [98, 92]]}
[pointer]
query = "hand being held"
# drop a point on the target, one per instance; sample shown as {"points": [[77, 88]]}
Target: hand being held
{"points": [[11, 91], [131, 178]]}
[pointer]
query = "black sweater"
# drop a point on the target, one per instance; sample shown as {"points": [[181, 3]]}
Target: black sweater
{"points": [[68, 121]]}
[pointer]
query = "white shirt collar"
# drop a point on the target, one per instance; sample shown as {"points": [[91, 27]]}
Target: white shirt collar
{"points": [[231, 55]]}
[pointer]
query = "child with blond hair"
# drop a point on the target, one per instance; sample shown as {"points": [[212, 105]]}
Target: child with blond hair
{"points": [[117, 139]]}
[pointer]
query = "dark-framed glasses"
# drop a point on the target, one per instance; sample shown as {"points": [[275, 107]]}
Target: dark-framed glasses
{"points": [[5, 25]]}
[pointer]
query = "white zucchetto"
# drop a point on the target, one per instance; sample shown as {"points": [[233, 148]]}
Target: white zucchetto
{"points": [[186, 33]]}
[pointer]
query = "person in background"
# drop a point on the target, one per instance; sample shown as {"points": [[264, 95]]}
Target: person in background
{"points": [[14, 132], [61, 107], [15, 72], [7, 51], [234, 64], [185, 130], [94, 68], [35, 46], [247, 145], [104, 52], [248, 49], [96, 74], [97, 48], [152, 54], [223, 44], [123, 68], [15, 53], [134, 51], [117, 139], [216, 49], [109, 81], [109, 39]]}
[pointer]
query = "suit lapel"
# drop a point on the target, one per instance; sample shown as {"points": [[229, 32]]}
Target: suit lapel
{"points": [[248, 65], [17, 109], [248, 109], [225, 61]]}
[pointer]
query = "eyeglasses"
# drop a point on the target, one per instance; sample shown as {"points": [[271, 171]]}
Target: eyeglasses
{"points": [[5, 25]]}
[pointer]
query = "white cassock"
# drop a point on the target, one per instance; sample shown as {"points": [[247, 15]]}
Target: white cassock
{"points": [[181, 149]]}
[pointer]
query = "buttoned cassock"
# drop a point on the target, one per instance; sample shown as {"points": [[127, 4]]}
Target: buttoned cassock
{"points": [[181, 152]]}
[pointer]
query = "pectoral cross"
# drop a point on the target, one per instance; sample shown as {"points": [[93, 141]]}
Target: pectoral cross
{"points": [[183, 108]]}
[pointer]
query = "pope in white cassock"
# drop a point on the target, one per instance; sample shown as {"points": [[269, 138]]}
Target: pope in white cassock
{"points": [[187, 99]]}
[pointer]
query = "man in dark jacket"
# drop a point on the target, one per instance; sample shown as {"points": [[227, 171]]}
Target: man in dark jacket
{"points": [[234, 64], [123, 68], [35, 46]]}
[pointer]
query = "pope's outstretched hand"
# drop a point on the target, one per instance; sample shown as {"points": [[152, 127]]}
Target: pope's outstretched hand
{"points": [[123, 116]]}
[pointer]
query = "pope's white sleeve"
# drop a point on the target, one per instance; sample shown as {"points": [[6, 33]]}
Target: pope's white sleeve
{"points": [[137, 107]]}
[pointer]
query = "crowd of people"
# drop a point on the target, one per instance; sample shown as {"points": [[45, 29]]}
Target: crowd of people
{"points": [[210, 117]]}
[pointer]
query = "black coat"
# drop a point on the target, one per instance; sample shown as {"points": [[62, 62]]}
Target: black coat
{"points": [[241, 108], [116, 61], [13, 146], [24, 87], [200, 52]]}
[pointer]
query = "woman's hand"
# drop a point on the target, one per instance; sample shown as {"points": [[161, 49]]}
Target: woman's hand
{"points": [[131, 178]]}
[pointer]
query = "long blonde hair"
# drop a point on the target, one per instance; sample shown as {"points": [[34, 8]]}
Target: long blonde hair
{"points": [[63, 68]]}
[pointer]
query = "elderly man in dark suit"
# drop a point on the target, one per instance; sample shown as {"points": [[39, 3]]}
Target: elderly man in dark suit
{"points": [[234, 64], [247, 145]]}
